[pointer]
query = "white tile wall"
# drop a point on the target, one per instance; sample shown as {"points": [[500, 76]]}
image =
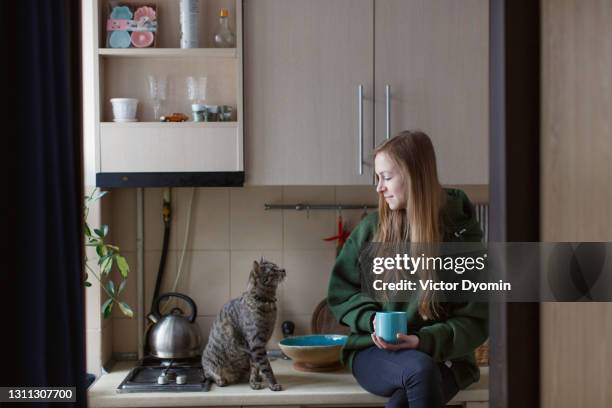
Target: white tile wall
{"points": [[206, 280], [251, 227], [305, 230], [210, 217], [307, 277]]}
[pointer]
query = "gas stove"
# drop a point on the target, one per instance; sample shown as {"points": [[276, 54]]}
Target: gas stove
{"points": [[157, 375]]}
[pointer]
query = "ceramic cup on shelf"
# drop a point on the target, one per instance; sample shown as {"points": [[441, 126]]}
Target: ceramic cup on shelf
{"points": [[124, 109], [225, 113], [212, 113], [199, 112]]}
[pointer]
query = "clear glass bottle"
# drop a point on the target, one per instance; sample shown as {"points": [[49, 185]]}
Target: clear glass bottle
{"points": [[224, 37]]}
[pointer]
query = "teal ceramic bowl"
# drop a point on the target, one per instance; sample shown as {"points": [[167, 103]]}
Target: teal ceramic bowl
{"points": [[317, 352]]}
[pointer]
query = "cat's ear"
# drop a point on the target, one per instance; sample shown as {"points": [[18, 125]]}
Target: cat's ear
{"points": [[255, 266]]}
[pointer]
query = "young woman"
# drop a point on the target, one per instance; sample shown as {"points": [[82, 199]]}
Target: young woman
{"points": [[431, 363]]}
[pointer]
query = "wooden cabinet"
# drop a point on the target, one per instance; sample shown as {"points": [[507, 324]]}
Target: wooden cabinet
{"points": [[142, 147], [434, 56], [304, 60]]}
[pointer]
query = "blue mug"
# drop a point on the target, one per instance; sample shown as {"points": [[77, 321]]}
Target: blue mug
{"points": [[389, 324]]}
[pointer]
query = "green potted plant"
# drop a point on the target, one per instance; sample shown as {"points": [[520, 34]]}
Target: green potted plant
{"points": [[108, 257]]}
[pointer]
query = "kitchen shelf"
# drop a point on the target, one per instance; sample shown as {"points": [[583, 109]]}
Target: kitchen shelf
{"points": [[149, 153], [168, 125], [168, 52]]}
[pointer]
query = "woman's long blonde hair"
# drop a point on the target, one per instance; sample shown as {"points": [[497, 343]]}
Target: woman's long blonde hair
{"points": [[421, 221]]}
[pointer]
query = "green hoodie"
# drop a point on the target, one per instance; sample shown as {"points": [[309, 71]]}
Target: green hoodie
{"points": [[452, 339]]}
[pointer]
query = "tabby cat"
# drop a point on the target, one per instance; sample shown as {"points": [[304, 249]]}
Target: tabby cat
{"points": [[236, 348]]}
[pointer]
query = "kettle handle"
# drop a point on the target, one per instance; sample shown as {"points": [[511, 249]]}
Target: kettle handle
{"points": [[192, 305]]}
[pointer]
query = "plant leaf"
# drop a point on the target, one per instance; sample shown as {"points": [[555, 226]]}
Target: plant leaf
{"points": [[93, 191], [121, 286], [110, 285], [96, 195], [101, 249], [87, 230], [123, 266], [102, 231], [107, 308], [126, 309], [106, 265]]}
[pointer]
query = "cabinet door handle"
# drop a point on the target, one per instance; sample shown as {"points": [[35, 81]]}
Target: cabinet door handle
{"points": [[360, 132], [388, 113]]}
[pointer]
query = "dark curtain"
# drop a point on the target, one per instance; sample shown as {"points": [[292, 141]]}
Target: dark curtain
{"points": [[43, 327]]}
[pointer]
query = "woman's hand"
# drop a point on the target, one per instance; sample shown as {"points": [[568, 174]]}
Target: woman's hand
{"points": [[405, 341]]}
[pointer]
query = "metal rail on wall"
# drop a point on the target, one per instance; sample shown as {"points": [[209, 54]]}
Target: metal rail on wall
{"points": [[311, 207], [482, 211]]}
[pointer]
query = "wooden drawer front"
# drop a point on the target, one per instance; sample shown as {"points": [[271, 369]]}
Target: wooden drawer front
{"points": [[169, 147]]}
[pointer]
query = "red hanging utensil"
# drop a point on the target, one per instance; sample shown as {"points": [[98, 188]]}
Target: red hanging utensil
{"points": [[341, 236]]}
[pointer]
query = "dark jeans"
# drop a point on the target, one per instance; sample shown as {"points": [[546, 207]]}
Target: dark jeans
{"points": [[410, 378]]}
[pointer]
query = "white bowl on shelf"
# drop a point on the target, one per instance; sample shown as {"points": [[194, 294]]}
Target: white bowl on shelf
{"points": [[124, 109]]}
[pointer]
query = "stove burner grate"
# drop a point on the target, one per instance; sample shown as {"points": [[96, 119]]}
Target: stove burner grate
{"points": [[144, 379]]}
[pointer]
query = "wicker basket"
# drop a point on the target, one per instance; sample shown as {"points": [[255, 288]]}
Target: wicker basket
{"points": [[482, 354]]}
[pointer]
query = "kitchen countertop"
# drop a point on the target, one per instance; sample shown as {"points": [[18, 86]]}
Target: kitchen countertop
{"points": [[299, 388]]}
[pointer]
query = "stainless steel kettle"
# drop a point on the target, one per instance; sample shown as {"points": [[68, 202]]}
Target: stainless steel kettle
{"points": [[174, 335]]}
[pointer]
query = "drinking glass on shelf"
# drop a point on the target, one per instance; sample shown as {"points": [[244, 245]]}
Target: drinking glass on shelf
{"points": [[192, 89], [157, 93], [202, 83], [196, 89]]}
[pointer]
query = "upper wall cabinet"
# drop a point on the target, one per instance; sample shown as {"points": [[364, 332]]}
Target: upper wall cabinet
{"points": [[305, 61], [135, 149], [327, 80], [432, 60]]}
